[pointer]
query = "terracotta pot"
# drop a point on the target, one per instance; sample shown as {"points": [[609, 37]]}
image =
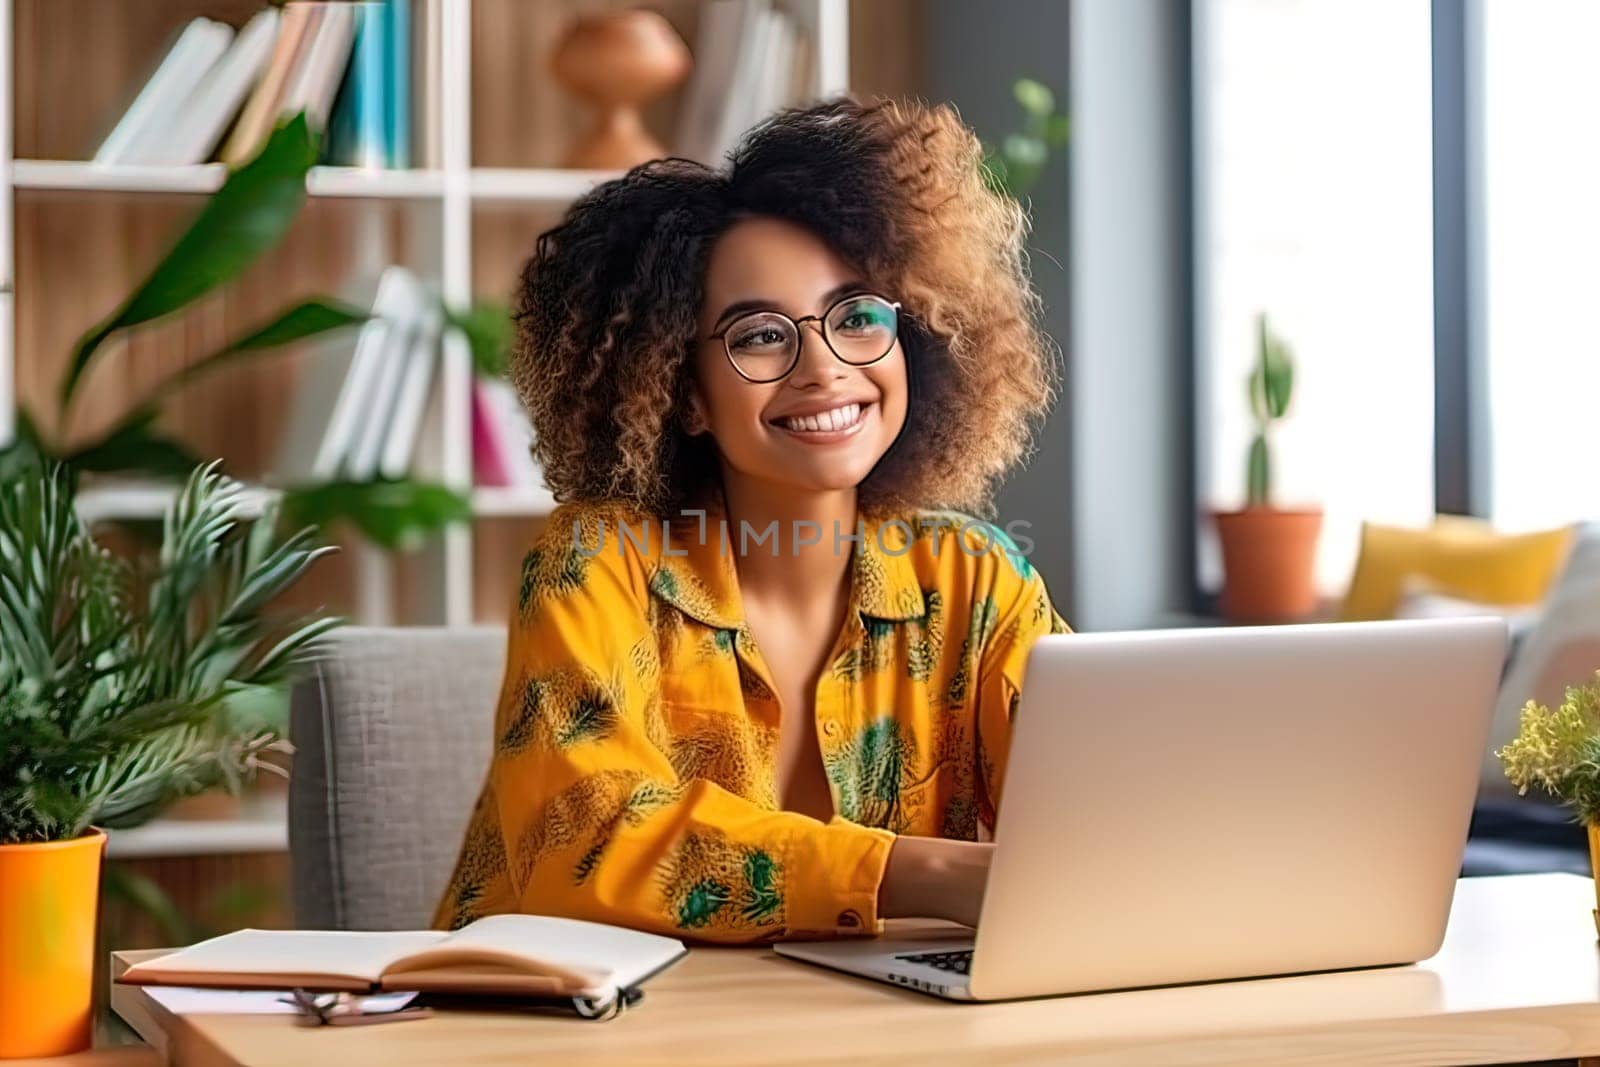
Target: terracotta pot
{"points": [[49, 897], [618, 63], [1268, 563]]}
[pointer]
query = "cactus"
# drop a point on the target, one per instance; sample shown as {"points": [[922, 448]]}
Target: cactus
{"points": [[1271, 383]]}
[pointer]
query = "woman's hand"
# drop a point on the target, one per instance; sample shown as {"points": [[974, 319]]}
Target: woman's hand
{"points": [[930, 877]]}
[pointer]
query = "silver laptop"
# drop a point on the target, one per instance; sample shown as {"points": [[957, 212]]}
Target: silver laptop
{"points": [[1193, 805]]}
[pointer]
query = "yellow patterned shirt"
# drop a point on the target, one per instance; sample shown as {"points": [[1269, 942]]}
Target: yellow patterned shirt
{"points": [[634, 778]]}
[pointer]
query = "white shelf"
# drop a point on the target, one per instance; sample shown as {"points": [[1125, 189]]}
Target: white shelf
{"points": [[262, 826], [146, 500], [551, 186], [534, 186], [141, 500], [78, 176], [513, 501]]}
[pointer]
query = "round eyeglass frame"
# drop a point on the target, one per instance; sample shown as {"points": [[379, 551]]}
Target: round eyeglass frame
{"points": [[821, 328]]}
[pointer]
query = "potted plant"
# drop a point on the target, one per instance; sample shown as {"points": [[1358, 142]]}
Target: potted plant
{"points": [[1268, 552], [120, 692], [1559, 751]]}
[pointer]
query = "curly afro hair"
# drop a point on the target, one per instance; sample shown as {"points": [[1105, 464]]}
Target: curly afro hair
{"points": [[608, 307]]}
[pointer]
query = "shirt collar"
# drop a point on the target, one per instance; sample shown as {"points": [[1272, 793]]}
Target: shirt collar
{"points": [[697, 573]]}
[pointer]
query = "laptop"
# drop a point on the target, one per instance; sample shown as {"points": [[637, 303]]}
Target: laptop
{"points": [[1196, 805]]}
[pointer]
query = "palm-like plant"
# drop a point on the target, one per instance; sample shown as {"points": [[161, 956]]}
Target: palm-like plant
{"points": [[118, 696]]}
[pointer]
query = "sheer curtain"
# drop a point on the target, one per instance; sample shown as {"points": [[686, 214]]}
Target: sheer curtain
{"points": [[1313, 169]]}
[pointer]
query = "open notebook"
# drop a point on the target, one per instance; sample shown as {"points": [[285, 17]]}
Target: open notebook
{"points": [[533, 956]]}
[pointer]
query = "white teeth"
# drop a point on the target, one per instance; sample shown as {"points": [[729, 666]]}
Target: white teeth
{"points": [[839, 418]]}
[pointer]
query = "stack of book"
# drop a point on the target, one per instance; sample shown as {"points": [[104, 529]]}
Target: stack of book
{"points": [[750, 60], [372, 409], [360, 411], [353, 68]]}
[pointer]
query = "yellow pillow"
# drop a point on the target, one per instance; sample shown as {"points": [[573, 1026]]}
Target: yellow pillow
{"points": [[1458, 556]]}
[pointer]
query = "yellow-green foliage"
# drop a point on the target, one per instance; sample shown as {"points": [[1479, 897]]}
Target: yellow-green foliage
{"points": [[1559, 750]]}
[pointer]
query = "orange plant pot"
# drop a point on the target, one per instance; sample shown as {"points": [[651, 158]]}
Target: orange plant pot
{"points": [[1268, 563], [49, 896], [1594, 865]]}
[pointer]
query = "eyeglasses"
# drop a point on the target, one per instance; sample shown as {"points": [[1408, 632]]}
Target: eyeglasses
{"points": [[347, 1009], [764, 346]]}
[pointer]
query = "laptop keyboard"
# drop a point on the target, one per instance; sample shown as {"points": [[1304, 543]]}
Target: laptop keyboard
{"points": [[955, 962]]}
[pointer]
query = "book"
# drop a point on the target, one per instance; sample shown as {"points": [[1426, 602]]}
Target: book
{"points": [[715, 57], [371, 125], [319, 378], [427, 78], [322, 67], [777, 69], [533, 956], [746, 90], [219, 95], [403, 315], [397, 100], [348, 413], [358, 133], [261, 111], [411, 396], [154, 112]]}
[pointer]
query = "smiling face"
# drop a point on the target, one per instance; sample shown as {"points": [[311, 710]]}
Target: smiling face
{"points": [[824, 426]]}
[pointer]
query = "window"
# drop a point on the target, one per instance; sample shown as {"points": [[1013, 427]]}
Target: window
{"points": [[1538, 259], [1313, 203]]}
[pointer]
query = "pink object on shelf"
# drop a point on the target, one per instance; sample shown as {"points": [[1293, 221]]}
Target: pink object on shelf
{"points": [[489, 466]]}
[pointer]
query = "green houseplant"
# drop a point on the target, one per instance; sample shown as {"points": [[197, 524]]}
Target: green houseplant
{"points": [[1559, 752], [120, 692], [1268, 552], [1013, 166]]}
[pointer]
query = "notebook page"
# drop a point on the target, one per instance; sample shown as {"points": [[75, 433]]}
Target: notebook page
{"points": [[607, 956], [336, 953]]}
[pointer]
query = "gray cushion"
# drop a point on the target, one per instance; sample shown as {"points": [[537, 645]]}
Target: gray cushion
{"points": [[392, 734], [1571, 612]]}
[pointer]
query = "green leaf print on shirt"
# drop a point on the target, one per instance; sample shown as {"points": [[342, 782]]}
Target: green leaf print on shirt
{"points": [[563, 709], [550, 572], [702, 902], [711, 881], [982, 621], [869, 771]]}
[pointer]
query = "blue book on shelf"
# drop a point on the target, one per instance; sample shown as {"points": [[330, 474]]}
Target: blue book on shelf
{"points": [[397, 29], [358, 135]]}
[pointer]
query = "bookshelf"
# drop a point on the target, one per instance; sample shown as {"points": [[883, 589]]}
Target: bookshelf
{"points": [[75, 235]]}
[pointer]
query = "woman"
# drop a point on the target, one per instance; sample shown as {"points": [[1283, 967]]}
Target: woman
{"points": [[756, 688]]}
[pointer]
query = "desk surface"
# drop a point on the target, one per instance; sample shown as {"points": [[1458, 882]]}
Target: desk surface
{"points": [[1518, 979]]}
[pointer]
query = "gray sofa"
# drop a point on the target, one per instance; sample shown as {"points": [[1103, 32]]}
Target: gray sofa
{"points": [[392, 736]]}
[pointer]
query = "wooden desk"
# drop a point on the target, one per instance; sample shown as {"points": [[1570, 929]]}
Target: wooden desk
{"points": [[1518, 979]]}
